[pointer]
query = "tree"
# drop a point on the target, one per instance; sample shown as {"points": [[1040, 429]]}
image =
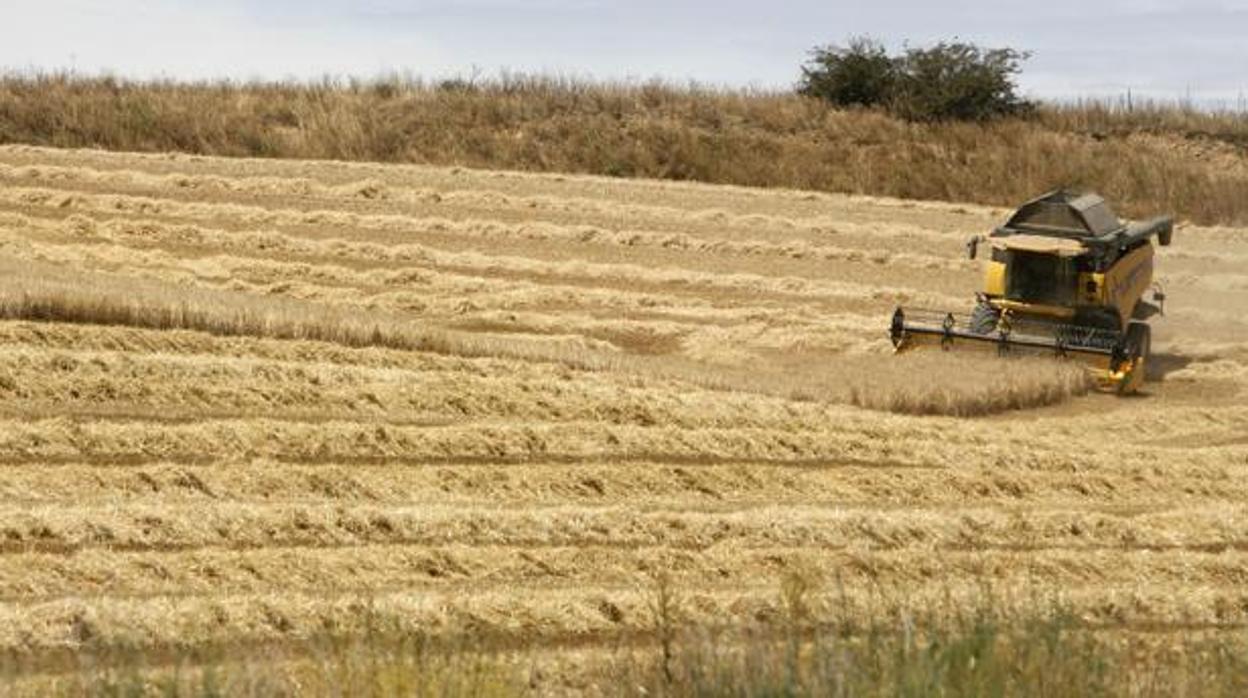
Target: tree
{"points": [[958, 81], [860, 74], [949, 81]]}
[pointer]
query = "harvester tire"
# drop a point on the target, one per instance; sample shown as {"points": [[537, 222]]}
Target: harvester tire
{"points": [[984, 319], [1139, 340], [1137, 346]]}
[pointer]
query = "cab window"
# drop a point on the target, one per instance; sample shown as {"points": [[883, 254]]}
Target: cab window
{"points": [[1040, 278]]}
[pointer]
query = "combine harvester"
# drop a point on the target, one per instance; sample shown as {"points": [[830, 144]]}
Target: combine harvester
{"points": [[1067, 279]]}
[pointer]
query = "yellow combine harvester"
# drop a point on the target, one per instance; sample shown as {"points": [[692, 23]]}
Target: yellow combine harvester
{"points": [[1066, 278]]}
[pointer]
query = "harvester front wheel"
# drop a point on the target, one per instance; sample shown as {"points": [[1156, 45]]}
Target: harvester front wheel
{"points": [[984, 319]]}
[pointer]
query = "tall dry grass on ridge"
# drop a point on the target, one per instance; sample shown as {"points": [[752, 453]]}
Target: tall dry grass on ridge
{"points": [[1148, 159]]}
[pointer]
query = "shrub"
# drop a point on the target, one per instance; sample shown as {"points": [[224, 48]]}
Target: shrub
{"points": [[958, 81], [949, 81], [861, 74]]}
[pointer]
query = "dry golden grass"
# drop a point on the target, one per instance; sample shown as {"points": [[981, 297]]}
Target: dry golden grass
{"points": [[44, 293], [928, 385], [246, 406], [41, 292], [1150, 158], [967, 386]]}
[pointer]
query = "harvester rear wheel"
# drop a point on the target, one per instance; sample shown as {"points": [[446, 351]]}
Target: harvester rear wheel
{"points": [[1139, 340], [1138, 345], [984, 319]]}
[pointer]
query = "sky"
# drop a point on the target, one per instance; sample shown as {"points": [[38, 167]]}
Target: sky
{"points": [[1167, 49]]}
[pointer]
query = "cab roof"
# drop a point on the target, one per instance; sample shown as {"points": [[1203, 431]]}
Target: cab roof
{"points": [[1071, 224], [1064, 214]]}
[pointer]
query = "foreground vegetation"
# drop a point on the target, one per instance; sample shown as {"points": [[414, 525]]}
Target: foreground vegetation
{"points": [[1145, 157], [902, 652]]}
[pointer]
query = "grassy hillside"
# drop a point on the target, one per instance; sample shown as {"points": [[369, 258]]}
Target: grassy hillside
{"points": [[1147, 159]]}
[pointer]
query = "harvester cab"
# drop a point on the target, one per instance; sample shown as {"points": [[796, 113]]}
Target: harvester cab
{"points": [[1063, 276]]}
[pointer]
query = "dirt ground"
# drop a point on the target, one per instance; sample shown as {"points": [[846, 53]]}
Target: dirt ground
{"points": [[170, 489]]}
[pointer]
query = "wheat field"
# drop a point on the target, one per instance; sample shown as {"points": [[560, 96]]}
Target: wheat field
{"points": [[242, 400]]}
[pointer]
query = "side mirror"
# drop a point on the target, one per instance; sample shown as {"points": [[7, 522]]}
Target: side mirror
{"points": [[972, 247]]}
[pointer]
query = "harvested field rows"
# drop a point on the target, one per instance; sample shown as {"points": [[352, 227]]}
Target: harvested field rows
{"points": [[241, 400]]}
